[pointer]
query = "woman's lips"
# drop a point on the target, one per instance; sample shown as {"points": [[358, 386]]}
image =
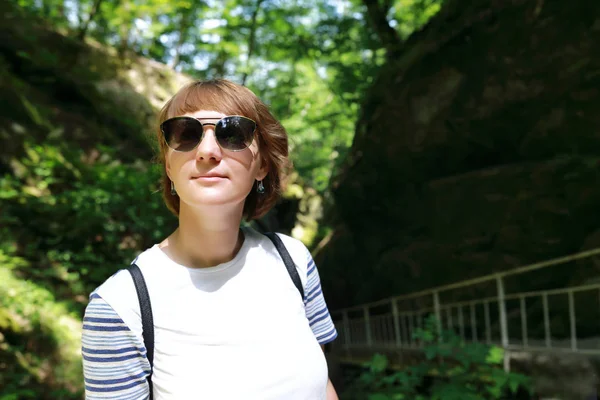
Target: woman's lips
{"points": [[209, 178]]}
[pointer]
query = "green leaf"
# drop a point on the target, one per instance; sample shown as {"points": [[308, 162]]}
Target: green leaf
{"points": [[514, 386], [495, 355], [378, 396], [379, 363]]}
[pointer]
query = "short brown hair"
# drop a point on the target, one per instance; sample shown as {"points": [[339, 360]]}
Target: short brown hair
{"points": [[232, 99]]}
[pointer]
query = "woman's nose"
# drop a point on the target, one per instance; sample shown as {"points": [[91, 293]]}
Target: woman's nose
{"points": [[208, 148]]}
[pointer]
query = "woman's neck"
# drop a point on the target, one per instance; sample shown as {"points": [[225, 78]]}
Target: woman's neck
{"points": [[205, 237]]}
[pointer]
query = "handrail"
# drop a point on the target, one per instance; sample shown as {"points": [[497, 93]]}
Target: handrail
{"points": [[511, 296], [473, 281]]}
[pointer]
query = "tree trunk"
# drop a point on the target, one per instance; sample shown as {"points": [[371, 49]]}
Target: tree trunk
{"points": [[93, 12], [377, 17], [187, 17], [252, 39]]}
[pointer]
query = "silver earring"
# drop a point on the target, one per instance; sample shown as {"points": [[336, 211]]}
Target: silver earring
{"points": [[173, 191], [260, 188]]}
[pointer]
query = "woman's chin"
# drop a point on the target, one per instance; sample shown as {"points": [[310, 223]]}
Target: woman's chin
{"points": [[213, 199]]}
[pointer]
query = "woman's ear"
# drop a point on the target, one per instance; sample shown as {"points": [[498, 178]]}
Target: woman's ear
{"points": [[262, 171], [168, 168]]}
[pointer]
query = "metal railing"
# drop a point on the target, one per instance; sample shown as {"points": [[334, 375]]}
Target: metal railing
{"points": [[503, 319]]}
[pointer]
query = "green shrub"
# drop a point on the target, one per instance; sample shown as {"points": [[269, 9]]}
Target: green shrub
{"points": [[451, 369], [76, 221], [66, 224], [40, 355]]}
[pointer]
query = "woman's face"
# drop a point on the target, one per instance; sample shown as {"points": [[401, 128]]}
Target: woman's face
{"points": [[209, 175]]}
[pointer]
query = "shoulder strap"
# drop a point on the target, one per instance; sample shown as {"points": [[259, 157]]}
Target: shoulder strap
{"points": [[287, 260], [147, 320]]}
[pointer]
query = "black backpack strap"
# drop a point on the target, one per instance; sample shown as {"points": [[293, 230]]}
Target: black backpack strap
{"points": [[287, 260], [147, 320]]}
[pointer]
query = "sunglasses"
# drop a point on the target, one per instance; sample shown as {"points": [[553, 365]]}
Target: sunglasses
{"points": [[233, 133]]}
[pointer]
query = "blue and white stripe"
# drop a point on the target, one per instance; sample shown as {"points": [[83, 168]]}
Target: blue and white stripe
{"points": [[115, 364], [315, 306]]}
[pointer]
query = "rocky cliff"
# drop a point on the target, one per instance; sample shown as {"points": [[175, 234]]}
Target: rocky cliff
{"points": [[477, 150]]}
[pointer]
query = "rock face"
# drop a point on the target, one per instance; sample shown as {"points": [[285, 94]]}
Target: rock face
{"points": [[478, 150], [58, 88]]}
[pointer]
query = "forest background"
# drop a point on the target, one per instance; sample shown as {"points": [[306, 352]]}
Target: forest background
{"points": [[396, 111]]}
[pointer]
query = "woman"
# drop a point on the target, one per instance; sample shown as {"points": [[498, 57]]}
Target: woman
{"points": [[228, 321]]}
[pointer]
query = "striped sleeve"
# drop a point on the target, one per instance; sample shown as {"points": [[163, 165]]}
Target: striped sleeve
{"points": [[315, 306], [114, 360]]}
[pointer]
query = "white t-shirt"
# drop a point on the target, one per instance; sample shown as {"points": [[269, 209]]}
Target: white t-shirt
{"points": [[239, 330]]}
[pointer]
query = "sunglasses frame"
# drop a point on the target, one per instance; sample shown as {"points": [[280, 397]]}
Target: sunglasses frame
{"points": [[202, 124]]}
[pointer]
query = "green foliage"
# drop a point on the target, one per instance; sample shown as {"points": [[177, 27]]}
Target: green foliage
{"points": [[76, 205], [80, 221], [39, 339], [311, 61], [410, 15], [72, 222], [449, 370]]}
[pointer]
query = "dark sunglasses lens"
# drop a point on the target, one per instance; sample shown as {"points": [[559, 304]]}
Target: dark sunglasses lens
{"points": [[235, 133], [182, 134]]}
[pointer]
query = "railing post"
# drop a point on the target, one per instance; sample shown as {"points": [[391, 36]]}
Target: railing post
{"points": [[420, 325], [547, 333], [367, 326], [473, 323], [488, 324], [438, 312], [503, 321], [461, 323], [396, 323], [411, 330], [346, 327], [572, 320], [524, 332], [404, 329]]}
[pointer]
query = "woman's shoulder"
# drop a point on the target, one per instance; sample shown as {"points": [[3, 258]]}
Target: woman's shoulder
{"points": [[121, 282], [117, 286], [119, 293], [295, 247]]}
